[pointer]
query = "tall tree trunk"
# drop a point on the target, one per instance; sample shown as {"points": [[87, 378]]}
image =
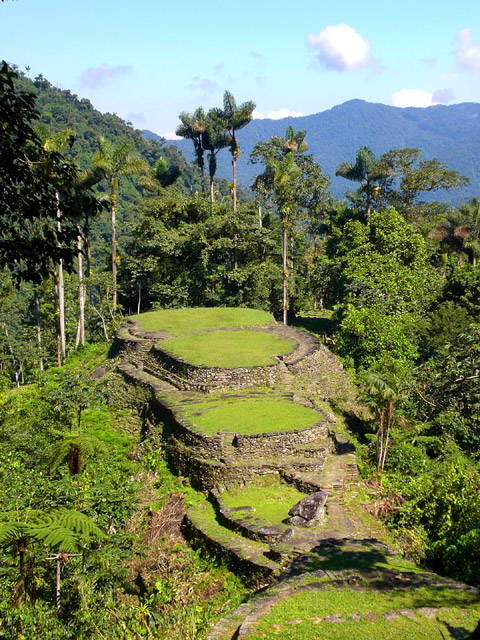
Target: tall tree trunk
{"points": [[235, 250], [62, 354], [81, 295], [139, 297], [114, 256], [234, 166], [39, 330], [16, 366], [285, 269], [234, 197], [211, 189], [369, 203]]}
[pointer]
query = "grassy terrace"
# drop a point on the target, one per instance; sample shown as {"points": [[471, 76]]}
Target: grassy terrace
{"points": [[177, 321], [229, 349], [303, 615], [269, 497], [248, 415]]}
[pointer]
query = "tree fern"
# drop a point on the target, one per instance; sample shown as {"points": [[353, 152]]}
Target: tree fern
{"points": [[77, 448]]}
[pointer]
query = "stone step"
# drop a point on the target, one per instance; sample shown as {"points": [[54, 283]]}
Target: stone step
{"points": [[130, 371], [250, 556]]}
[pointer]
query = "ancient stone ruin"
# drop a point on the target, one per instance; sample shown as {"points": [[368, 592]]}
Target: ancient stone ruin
{"points": [[323, 539]]}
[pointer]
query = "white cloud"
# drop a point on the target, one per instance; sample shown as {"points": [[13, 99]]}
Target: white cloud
{"points": [[170, 136], [421, 98], [468, 52], [412, 98], [341, 48], [102, 75], [277, 115]]}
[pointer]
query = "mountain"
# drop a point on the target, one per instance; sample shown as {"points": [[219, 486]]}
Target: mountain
{"points": [[449, 133]]}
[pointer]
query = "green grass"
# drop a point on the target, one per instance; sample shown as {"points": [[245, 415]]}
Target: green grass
{"points": [[204, 516], [306, 606], [249, 415], [270, 498], [229, 349], [178, 321]]}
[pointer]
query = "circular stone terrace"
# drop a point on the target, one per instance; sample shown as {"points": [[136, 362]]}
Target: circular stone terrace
{"points": [[213, 348]]}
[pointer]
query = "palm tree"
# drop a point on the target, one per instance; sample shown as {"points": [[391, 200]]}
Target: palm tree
{"points": [[280, 177], [368, 171], [235, 118], [192, 128], [286, 173], [213, 140], [116, 161]]}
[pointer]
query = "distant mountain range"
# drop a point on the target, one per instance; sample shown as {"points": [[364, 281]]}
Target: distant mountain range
{"points": [[449, 133]]}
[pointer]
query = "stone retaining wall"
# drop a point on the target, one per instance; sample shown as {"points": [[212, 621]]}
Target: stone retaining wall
{"points": [[207, 474], [212, 378], [252, 573], [278, 443], [251, 530]]}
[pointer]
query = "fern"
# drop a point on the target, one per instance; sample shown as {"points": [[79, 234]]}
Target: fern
{"points": [[67, 530], [64, 529], [77, 448]]}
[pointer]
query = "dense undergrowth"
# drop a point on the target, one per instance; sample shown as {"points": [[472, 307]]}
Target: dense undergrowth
{"points": [[139, 579]]}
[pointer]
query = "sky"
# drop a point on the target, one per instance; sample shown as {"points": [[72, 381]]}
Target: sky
{"points": [[148, 61]]}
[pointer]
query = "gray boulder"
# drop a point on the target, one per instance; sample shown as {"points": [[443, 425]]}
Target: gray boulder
{"points": [[309, 510]]}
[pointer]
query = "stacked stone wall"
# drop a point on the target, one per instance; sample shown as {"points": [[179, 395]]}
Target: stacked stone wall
{"points": [[163, 363], [278, 443]]}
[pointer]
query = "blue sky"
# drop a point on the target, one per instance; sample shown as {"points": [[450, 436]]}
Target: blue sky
{"points": [[149, 60]]}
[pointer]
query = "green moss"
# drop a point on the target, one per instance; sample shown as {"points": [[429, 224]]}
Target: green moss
{"points": [[249, 415], [243, 348], [178, 321], [269, 497]]}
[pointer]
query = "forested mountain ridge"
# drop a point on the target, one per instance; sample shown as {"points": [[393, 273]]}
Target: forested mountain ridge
{"points": [[449, 133]]}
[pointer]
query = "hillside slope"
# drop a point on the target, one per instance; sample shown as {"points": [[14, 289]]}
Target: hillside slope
{"points": [[449, 133]]}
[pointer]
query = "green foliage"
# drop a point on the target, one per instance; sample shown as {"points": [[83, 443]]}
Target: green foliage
{"points": [[32, 177], [411, 175], [366, 335], [463, 288]]}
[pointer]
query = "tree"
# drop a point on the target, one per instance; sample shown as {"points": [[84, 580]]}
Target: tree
{"points": [[59, 142], [410, 176], [115, 162], [368, 171], [31, 244], [235, 118], [297, 185], [192, 128], [65, 530], [213, 140], [384, 391]]}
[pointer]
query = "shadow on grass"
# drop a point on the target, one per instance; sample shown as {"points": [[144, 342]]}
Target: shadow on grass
{"points": [[321, 326], [337, 555]]}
